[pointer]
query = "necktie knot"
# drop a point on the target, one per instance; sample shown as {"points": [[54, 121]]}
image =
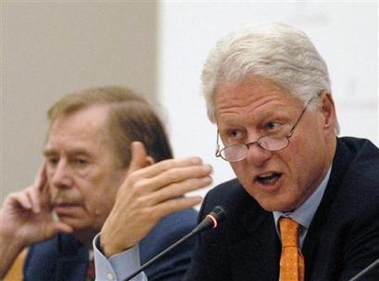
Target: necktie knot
{"points": [[289, 231]]}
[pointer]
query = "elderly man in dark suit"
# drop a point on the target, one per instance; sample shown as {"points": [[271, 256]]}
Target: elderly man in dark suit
{"points": [[103, 143], [305, 203], [269, 93]]}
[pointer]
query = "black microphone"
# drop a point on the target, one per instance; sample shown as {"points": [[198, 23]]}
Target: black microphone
{"points": [[364, 271], [212, 220]]}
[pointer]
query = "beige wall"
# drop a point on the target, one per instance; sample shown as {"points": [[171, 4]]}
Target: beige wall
{"points": [[51, 48]]}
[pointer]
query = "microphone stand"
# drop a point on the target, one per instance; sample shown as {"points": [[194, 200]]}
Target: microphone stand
{"points": [[146, 264], [210, 221], [364, 271]]}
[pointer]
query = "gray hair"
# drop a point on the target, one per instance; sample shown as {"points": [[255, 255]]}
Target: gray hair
{"points": [[130, 118], [275, 51]]}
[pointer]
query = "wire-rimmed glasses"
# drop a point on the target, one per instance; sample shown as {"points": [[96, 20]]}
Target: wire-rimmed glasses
{"points": [[238, 152]]}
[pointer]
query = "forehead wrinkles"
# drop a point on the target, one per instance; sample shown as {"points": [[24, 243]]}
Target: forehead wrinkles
{"points": [[75, 135], [250, 88], [253, 98], [234, 105], [72, 137]]}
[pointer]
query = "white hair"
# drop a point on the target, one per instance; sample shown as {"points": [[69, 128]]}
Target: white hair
{"points": [[275, 51]]}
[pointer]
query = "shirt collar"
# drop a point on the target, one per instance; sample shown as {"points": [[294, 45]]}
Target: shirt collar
{"points": [[305, 213]]}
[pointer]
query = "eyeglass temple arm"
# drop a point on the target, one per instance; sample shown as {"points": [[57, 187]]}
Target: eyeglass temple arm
{"points": [[217, 152], [301, 115]]}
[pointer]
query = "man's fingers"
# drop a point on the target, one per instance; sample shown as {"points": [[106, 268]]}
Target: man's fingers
{"points": [[178, 204], [20, 199], [63, 228], [34, 195], [41, 178], [144, 184], [39, 191], [169, 164], [176, 190], [140, 159], [151, 215], [49, 229], [147, 196]]}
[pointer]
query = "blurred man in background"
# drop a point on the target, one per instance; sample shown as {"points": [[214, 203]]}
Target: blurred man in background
{"points": [[98, 140]]}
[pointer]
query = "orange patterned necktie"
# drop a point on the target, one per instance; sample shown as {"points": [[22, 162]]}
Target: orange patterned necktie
{"points": [[291, 261]]}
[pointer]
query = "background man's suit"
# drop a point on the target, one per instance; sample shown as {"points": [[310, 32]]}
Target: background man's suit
{"points": [[64, 258]]}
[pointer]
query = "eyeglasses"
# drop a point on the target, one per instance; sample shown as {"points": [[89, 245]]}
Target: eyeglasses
{"points": [[238, 152]]}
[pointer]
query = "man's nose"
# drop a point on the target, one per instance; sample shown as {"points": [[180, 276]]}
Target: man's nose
{"points": [[256, 154], [62, 175]]}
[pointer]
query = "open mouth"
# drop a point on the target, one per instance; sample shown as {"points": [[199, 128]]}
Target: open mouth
{"points": [[270, 178]]}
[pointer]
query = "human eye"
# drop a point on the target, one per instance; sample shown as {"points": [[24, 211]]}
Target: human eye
{"points": [[272, 127], [52, 160], [234, 135], [80, 162]]}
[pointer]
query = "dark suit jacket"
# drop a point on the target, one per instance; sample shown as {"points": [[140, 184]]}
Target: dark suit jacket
{"points": [[342, 240], [65, 258]]}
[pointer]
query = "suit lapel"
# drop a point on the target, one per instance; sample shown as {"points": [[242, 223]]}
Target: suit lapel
{"points": [[311, 243]]}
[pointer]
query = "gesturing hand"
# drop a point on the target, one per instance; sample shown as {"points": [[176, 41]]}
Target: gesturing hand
{"points": [[149, 192]]}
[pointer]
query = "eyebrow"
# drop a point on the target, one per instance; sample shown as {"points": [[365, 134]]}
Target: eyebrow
{"points": [[49, 152], [72, 152]]}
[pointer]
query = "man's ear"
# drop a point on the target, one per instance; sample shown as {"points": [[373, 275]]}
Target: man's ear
{"points": [[328, 110]]}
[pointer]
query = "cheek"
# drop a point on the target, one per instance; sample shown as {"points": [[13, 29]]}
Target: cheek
{"points": [[98, 206], [242, 172], [52, 189], [104, 194], [298, 157], [307, 161]]}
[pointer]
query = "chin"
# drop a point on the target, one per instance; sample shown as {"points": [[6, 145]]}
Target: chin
{"points": [[75, 223], [273, 205]]}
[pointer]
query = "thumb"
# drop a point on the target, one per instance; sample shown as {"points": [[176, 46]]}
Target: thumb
{"points": [[61, 227], [49, 229], [140, 159]]}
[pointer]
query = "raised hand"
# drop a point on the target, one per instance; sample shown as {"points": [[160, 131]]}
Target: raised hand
{"points": [[151, 191], [26, 218]]}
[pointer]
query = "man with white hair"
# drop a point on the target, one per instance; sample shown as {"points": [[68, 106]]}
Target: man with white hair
{"points": [[305, 203]]}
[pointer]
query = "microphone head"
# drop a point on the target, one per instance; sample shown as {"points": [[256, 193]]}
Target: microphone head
{"points": [[217, 215], [211, 220]]}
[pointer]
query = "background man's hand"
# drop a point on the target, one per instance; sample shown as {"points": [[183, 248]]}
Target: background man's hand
{"points": [[150, 192], [26, 216]]}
